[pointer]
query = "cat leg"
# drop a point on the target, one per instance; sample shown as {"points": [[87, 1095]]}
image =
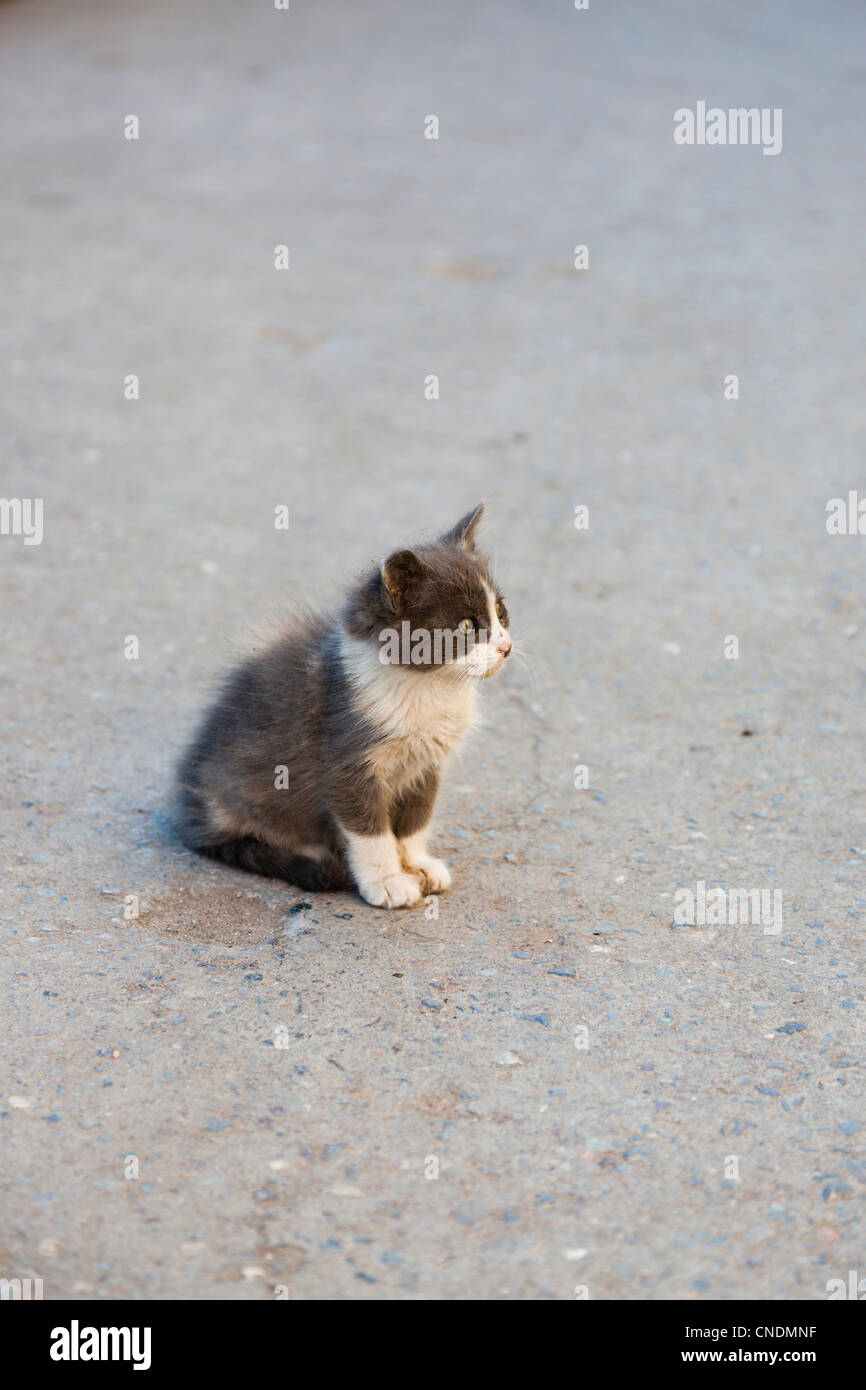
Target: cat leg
{"points": [[410, 820], [357, 800], [378, 870], [434, 873]]}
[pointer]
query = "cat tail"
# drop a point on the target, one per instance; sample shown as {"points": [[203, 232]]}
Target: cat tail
{"points": [[257, 857], [201, 833]]}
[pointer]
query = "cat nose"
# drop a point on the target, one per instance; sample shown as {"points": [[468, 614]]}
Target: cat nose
{"points": [[505, 648]]}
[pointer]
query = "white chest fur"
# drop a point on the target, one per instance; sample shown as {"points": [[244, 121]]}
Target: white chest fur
{"points": [[421, 715]]}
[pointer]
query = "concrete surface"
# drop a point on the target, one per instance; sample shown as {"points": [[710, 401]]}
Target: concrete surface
{"points": [[412, 1041]]}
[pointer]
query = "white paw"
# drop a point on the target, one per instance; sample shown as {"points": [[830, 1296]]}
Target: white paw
{"points": [[397, 890], [435, 875]]}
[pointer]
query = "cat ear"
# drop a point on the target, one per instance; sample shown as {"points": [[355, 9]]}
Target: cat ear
{"points": [[403, 577], [464, 532]]}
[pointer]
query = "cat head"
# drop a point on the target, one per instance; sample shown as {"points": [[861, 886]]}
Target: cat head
{"points": [[435, 608]]}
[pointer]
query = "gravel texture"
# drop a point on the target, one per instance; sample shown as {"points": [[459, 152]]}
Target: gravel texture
{"points": [[550, 1089]]}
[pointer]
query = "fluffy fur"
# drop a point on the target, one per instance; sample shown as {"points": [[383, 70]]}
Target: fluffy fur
{"points": [[363, 740]]}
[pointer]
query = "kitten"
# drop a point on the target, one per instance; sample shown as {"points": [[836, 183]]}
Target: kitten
{"points": [[357, 714]]}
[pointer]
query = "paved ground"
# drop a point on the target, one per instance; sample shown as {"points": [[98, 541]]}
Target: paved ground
{"points": [[414, 1043]]}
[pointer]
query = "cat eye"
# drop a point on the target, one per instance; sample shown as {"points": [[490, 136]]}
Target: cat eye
{"points": [[500, 608], [466, 625]]}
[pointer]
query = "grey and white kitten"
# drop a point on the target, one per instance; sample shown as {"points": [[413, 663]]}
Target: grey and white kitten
{"points": [[320, 762]]}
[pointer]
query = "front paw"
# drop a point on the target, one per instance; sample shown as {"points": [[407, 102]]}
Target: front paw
{"points": [[397, 890], [435, 876]]}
